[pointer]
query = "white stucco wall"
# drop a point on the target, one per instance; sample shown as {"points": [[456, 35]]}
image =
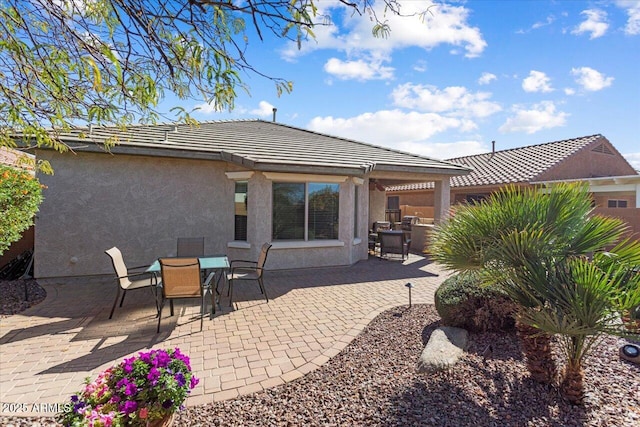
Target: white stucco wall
{"points": [[377, 206]]}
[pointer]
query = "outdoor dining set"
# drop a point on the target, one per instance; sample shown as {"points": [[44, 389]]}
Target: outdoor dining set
{"points": [[384, 241], [190, 274]]}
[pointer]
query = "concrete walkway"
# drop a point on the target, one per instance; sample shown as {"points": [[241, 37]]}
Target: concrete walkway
{"points": [[47, 351]]}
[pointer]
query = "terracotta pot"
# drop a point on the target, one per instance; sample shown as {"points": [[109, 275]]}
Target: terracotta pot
{"points": [[166, 421]]}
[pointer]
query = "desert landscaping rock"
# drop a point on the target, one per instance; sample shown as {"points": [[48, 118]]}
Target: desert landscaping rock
{"points": [[374, 382], [445, 347]]}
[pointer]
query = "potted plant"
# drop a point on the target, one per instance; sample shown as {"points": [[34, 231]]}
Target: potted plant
{"points": [[144, 390]]}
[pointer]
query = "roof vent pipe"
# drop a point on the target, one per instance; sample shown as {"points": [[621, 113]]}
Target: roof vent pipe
{"points": [[275, 110], [493, 147], [90, 128], [166, 136], [175, 128]]}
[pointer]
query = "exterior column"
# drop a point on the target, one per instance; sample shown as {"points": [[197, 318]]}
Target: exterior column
{"points": [[442, 200], [377, 204]]}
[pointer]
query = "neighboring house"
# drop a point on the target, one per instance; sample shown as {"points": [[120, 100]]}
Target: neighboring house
{"points": [[615, 184], [237, 183]]}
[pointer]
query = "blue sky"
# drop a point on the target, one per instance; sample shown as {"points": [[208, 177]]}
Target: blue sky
{"points": [[517, 72]]}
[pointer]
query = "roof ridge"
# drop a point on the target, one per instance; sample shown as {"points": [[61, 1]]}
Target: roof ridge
{"points": [[594, 136], [388, 149]]}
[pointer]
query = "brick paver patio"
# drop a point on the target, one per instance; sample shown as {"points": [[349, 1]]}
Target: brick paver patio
{"points": [[47, 351]]}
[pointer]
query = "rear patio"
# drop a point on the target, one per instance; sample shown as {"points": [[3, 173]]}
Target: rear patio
{"points": [[48, 350]]}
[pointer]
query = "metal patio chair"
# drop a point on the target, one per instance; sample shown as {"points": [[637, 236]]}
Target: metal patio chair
{"points": [[129, 279], [242, 270], [181, 278]]}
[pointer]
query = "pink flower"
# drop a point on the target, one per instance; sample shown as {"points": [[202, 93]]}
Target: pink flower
{"points": [[144, 413]]}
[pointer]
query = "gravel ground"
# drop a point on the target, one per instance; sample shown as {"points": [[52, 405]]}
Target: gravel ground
{"points": [[12, 296], [374, 382]]}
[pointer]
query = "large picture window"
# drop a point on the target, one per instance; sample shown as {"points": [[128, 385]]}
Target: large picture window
{"points": [[305, 211]]}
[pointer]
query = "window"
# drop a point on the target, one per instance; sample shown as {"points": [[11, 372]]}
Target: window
{"points": [[356, 213], [617, 204], [473, 199], [305, 211], [240, 199], [393, 202]]}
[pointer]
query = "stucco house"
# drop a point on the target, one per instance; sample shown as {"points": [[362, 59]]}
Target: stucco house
{"points": [[237, 183], [614, 183]]}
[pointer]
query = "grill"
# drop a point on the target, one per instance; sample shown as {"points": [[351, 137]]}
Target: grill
{"points": [[408, 221]]}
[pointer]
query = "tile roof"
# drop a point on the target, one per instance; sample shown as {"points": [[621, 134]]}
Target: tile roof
{"points": [[15, 158], [516, 165], [259, 145]]}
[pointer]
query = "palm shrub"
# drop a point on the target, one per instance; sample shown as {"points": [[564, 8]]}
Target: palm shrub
{"points": [[529, 243], [579, 298]]}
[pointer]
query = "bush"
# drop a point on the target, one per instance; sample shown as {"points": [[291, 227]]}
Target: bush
{"points": [[20, 196], [463, 302]]}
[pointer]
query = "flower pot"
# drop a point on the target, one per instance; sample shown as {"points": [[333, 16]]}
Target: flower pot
{"points": [[166, 421]]}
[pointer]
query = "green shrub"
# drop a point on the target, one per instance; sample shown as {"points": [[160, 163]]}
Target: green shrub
{"points": [[463, 302], [20, 196]]}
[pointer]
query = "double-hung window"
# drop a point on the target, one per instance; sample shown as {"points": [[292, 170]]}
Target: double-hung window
{"points": [[305, 211]]}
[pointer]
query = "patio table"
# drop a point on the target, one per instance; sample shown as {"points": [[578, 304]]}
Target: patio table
{"points": [[217, 263]]}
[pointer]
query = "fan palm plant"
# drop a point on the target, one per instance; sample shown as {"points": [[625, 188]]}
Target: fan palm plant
{"points": [[525, 241], [579, 299]]}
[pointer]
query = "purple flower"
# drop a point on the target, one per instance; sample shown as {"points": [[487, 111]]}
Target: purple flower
{"points": [[130, 389], [153, 376], [129, 407], [145, 357], [194, 382], [127, 364], [74, 398], [180, 379], [167, 404], [78, 407], [122, 383], [162, 359]]}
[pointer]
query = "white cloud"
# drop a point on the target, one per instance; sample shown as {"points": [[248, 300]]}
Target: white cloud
{"points": [[633, 159], [264, 109], [550, 19], [595, 23], [351, 33], [443, 150], [358, 70], [382, 127], [454, 100], [632, 8], [540, 116], [591, 79], [206, 108], [421, 66], [486, 78], [537, 82], [569, 91]]}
